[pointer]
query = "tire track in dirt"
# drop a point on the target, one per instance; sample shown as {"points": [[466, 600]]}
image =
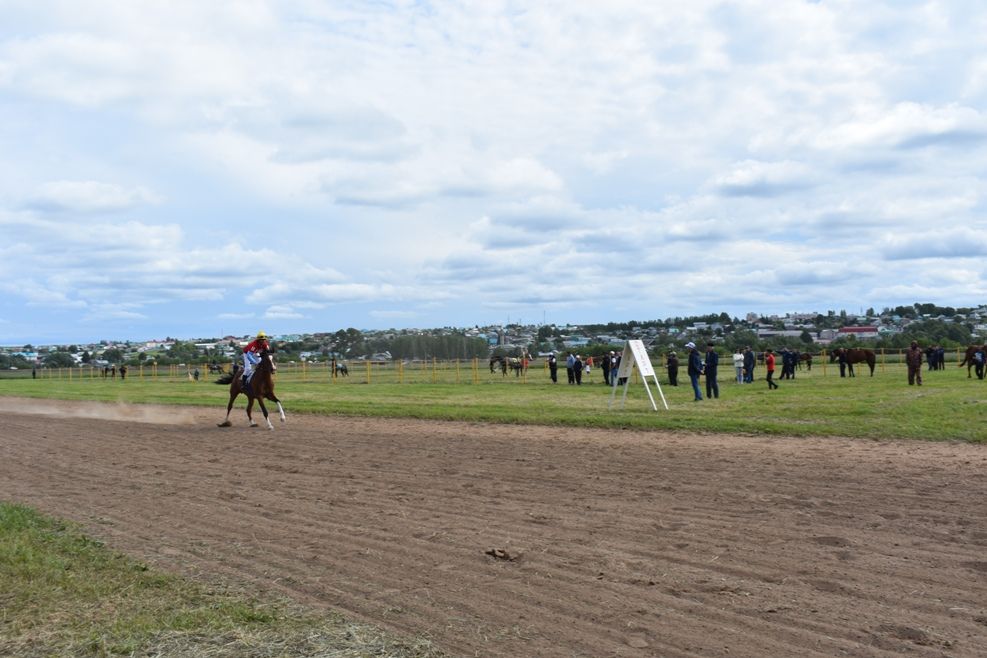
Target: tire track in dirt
{"points": [[631, 544]]}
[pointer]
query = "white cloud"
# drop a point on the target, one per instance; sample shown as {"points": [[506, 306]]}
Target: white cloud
{"points": [[305, 162], [89, 197]]}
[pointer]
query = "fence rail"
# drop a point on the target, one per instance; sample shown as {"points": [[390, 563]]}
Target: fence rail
{"points": [[436, 371]]}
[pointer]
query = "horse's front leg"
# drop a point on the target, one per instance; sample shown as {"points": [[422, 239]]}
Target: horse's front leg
{"points": [[263, 408], [250, 408], [280, 408]]}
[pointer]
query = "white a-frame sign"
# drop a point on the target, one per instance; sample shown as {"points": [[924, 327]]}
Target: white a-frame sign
{"points": [[635, 355]]}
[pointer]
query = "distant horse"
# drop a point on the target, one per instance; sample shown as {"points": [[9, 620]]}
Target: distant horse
{"points": [[856, 355], [216, 368], [807, 358], [499, 362], [969, 358], [342, 370], [517, 366], [260, 387]]}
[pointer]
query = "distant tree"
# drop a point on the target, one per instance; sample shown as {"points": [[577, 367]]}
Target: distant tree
{"points": [[87, 357], [59, 360], [806, 337], [113, 355]]}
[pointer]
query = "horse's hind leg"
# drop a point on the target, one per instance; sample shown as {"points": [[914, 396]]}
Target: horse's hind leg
{"points": [[250, 408], [229, 407]]}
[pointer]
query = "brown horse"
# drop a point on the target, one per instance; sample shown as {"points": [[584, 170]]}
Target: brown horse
{"points": [[856, 355], [259, 388], [968, 358], [805, 358]]}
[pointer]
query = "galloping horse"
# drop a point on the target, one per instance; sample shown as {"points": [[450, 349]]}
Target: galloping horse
{"points": [[260, 387], [856, 355]]}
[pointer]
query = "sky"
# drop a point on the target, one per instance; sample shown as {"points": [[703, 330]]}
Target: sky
{"points": [[198, 169]]}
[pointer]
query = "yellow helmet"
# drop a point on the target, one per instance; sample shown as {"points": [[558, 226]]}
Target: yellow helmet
{"points": [[261, 334]]}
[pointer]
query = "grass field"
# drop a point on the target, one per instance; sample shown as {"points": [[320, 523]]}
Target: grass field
{"points": [[949, 406], [63, 594]]}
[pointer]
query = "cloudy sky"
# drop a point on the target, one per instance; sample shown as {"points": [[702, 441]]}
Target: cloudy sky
{"points": [[192, 169]]}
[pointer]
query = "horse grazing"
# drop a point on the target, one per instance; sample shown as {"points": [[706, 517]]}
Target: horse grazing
{"points": [[342, 370], [856, 355], [970, 358], [259, 388]]}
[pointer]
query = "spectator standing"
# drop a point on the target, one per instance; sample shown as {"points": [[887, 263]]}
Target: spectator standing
{"points": [[769, 364], [750, 360], [672, 363], [695, 369], [712, 361], [589, 366], [841, 358], [577, 370], [615, 379], [553, 368], [913, 357], [605, 366], [738, 366], [570, 362]]}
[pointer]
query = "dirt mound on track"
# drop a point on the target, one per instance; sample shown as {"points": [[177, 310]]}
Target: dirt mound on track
{"points": [[536, 541]]}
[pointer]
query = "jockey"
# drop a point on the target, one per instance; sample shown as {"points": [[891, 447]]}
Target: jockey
{"points": [[251, 353]]}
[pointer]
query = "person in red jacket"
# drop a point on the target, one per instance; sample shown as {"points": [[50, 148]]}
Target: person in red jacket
{"points": [[251, 354], [769, 363]]}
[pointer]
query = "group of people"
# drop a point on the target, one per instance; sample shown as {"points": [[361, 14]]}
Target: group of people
{"points": [[576, 367], [935, 356], [745, 362], [699, 366]]}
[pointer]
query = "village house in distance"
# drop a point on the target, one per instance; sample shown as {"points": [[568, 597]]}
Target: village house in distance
{"points": [[890, 328]]}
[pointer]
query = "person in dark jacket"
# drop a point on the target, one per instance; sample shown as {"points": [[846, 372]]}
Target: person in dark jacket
{"points": [[749, 362], [553, 368], [673, 369], [913, 357], [712, 361], [695, 369]]}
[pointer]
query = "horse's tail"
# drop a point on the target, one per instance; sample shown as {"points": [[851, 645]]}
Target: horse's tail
{"points": [[230, 376]]}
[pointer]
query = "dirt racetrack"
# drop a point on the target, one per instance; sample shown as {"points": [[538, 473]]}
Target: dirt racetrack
{"points": [[610, 543]]}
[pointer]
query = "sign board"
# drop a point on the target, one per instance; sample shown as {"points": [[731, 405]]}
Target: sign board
{"points": [[635, 354]]}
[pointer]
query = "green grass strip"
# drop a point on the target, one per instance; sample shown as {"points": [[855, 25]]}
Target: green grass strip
{"points": [[64, 594], [949, 406]]}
